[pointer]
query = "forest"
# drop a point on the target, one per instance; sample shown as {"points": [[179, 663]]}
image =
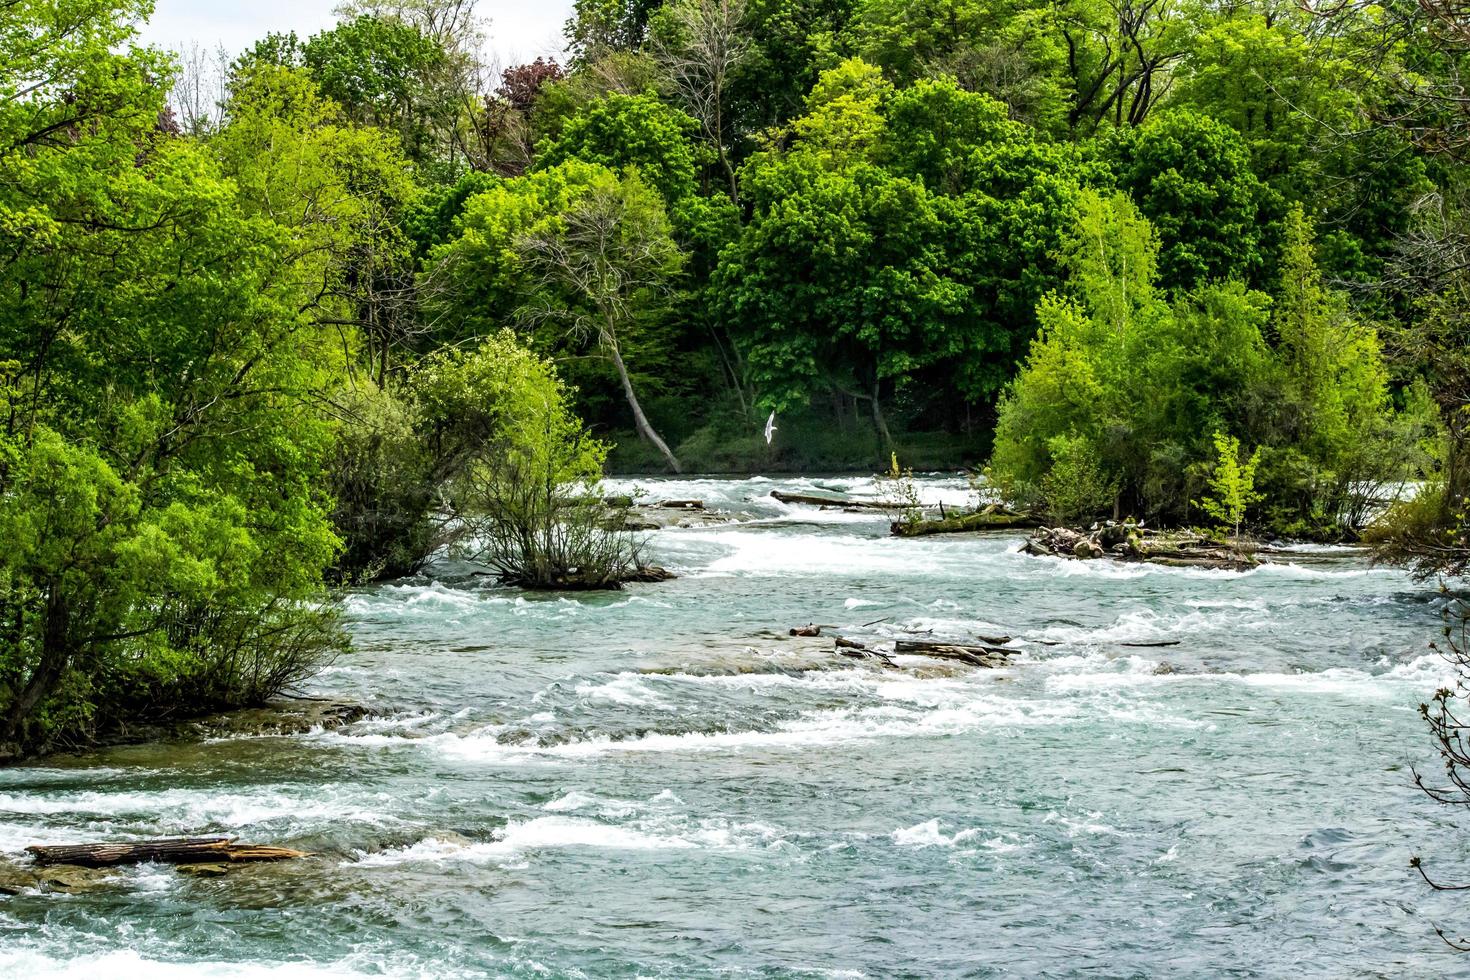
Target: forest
{"points": [[266, 320]]}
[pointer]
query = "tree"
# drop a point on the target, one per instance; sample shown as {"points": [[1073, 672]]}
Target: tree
{"points": [[637, 132], [524, 484], [343, 192], [601, 262], [598, 27], [794, 42], [1192, 179], [1143, 376], [385, 73], [701, 44], [1232, 482], [161, 451]]}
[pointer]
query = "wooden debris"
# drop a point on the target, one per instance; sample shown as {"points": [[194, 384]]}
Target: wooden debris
{"points": [[171, 850], [978, 656], [650, 573], [816, 501], [681, 504], [1132, 543], [998, 521], [860, 651]]}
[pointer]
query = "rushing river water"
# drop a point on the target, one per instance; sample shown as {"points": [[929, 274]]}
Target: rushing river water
{"points": [[662, 783]]}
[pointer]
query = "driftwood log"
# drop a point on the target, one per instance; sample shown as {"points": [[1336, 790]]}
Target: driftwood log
{"points": [[978, 656], [171, 850], [681, 504], [963, 525], [816, 501]]}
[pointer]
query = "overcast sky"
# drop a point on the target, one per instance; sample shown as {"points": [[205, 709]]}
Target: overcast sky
{"points": [[519, 31]]}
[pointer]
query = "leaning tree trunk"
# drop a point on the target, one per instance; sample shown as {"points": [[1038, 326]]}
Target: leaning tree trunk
{"points": [[879, 422], [645, 429]]}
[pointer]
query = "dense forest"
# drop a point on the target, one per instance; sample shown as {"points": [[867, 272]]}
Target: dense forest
{"points": [[267, 319]]}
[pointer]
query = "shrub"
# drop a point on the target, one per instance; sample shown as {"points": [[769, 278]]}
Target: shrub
{"points": [[1077, 488], [524, 476], [380, 478]]}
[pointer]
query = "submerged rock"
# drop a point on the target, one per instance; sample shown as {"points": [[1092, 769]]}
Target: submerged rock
{"points": [[286, 716], [68, 879], [15, 879], [205, 870]]}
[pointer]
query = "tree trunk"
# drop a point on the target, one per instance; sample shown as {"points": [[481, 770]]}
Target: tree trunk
{"points": [[55, 655], [639, 419], [879, 422], [173, 850]]}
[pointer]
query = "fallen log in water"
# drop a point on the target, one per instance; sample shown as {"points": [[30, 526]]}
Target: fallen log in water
{"points": [[978, 656], [681, 504], [963, 525], [861, 651], [171, 850], [816, 501]]}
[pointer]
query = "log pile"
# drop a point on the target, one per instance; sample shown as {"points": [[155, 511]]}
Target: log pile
{"points": [[1133, 543], [170, 850]]}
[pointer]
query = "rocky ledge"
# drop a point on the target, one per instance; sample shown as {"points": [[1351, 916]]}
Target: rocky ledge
{"points": [[281, 716]]}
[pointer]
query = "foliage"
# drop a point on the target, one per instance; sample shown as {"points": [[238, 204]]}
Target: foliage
{"points": [[630, 132], [525, 476], [1142, 376], [1232, 482], [237, 351], [382, 485], [1192, 179], [1076, 489], [162, 450]]}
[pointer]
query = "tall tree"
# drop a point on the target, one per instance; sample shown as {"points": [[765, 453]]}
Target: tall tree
{"points": [[602, 262], [701, 45]]}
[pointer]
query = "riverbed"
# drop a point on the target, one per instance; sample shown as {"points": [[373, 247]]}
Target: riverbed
{"points": [[662, 782]]}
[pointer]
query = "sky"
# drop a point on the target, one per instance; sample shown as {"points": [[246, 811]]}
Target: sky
{"points": [[519, 31]]}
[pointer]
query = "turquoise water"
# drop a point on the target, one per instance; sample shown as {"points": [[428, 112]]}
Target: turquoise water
{"points": [[662, 783]]}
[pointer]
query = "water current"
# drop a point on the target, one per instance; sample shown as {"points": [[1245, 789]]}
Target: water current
{"points": [[662, 783]]}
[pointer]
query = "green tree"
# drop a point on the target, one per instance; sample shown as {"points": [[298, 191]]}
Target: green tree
{"points": [[601, 264], [1232, 482], [162, 450], [1191, 177], [385, 73], [601, 26], [637, 132], [525, 482]]}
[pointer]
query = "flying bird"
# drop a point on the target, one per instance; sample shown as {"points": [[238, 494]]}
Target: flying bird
{"points": [[770, 427]]}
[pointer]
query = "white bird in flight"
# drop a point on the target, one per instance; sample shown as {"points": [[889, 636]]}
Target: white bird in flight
{"points": [[770, 427]]}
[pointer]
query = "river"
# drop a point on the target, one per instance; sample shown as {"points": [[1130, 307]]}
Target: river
{"points": [[662, 783]]}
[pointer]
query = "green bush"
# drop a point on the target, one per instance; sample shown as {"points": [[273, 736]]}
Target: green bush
{"points": [[522, 473], [382, 487], [1144, 379], [1076, 488]]}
